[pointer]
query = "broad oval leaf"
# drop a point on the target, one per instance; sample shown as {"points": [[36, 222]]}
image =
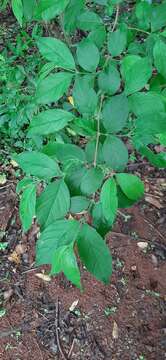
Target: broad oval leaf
{"points": [[99, 222], [55, 247], [27, 208], [38, 164], [65, 260], [48, 9], [79, 204], [159, 53], [53, 87], [85, 97], [143, 103], [53, 203], [88, 21], [117, 41], [136, 74], [92, 181], [115, 153], [109, 80], [94, 253], [109, 200], [56, 51], [49, 121], [131, 185], [17, 8], [115, 113], [73, 178], [88, 55], [71, 14], [64, 152]]}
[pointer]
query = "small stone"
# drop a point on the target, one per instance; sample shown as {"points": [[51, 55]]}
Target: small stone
{"points": [[7, 294], [154, 260], [20, 249], [142, 245], [134, 268]]}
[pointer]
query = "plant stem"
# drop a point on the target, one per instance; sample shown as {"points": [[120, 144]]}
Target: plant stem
{"points": [[139, 30], [67, 39], [116, 18], [98, 131]]}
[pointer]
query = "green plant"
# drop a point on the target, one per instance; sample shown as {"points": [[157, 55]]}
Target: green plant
{"points": [[94, 96]]}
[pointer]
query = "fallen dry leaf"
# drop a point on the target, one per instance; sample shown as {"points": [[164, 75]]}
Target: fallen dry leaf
{"points": [[43, 277], [14, 257], [73, 305], [115, 331], [3, 179], [153, 201], [71, 101], [20, 249]]}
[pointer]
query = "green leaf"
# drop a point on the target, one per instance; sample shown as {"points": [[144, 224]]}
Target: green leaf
{"points": [[88, 21], [64, 152], [71, 13], [53, 87], [162, 139], [109, 200], [53, 203], [88, 55], [136, 73], [27, 206], [101, 2], [98, 36], [65, 260], [28, 9], [94, 253], [117, 41], [79, 204], [109, 80], [48, 9], [59, 233], [90, 152], [158, 19], [55, 247], [143, 14], [17, 8], [144, 103], [24, 183], [151, 123], [128, 62], [38, 164], [56, 51], [115, 113], [158, 160], [84, 127], [159, 53], [85, 98], [49, 121], [91, 181], [73, 178], [123, 201], [131, 186], [99, 222], [115, 153]]}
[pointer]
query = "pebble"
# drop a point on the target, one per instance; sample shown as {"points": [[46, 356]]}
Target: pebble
{"points": [[142, 245]]}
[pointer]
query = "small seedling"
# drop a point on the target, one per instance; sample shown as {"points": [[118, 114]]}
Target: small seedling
{"points": [[110, 310], [2, 312]]}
